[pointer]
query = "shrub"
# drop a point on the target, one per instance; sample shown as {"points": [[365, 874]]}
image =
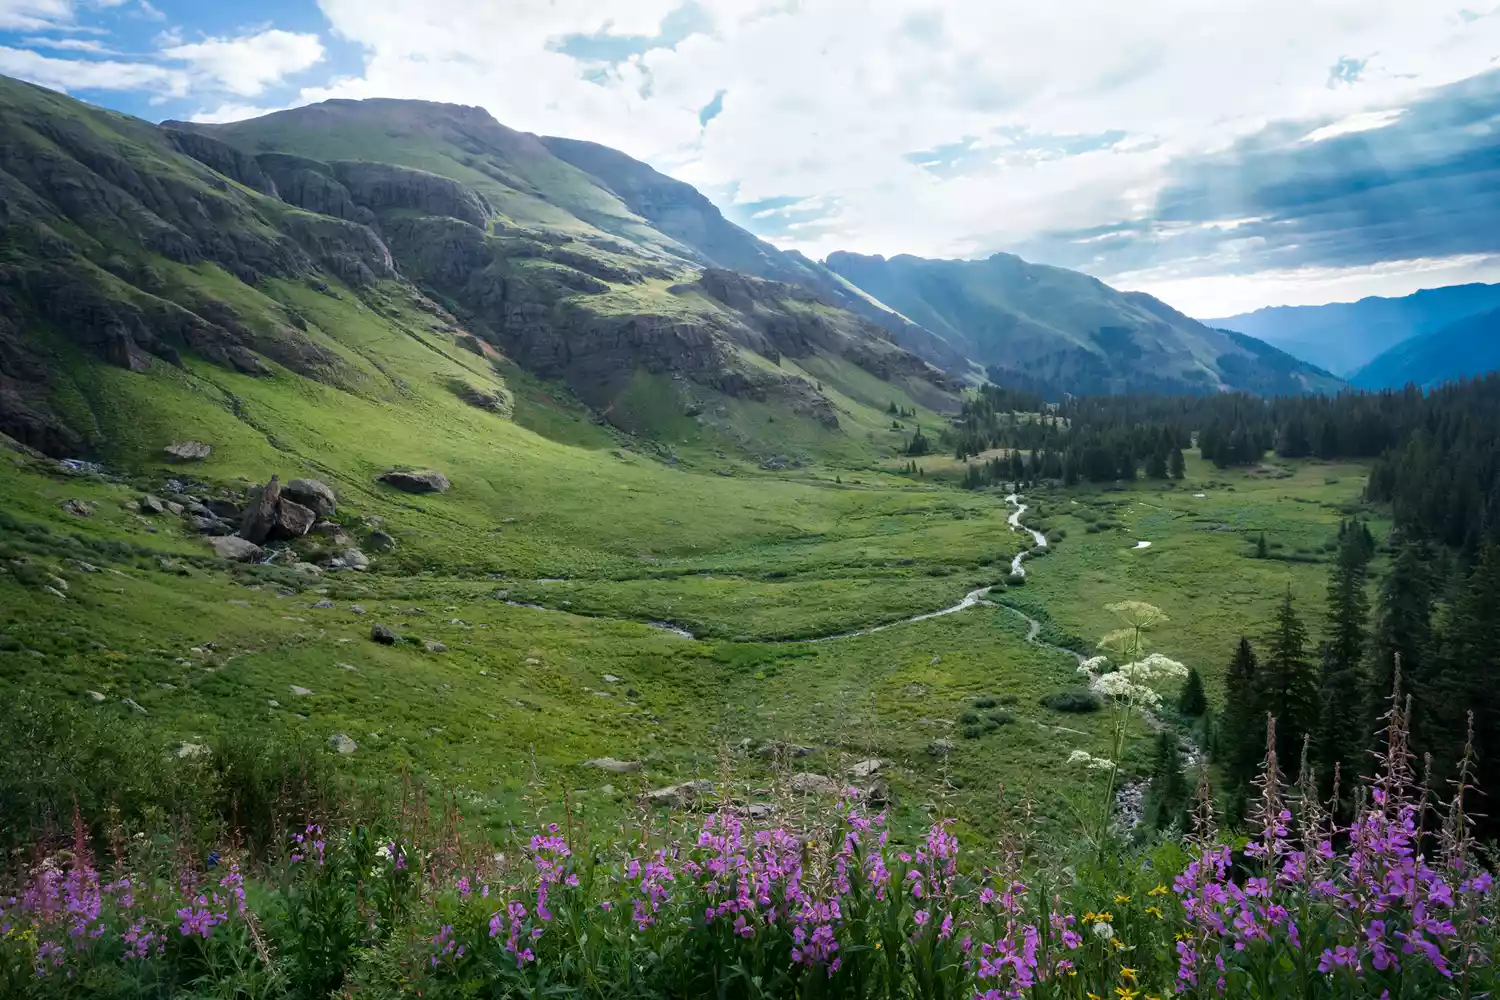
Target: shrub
{"points": [[984, 701], [969, 718], [1000, 718], [973, 732], [1079, 702]]}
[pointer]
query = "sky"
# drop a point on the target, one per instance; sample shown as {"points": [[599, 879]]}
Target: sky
{"points": [[1223, 156]]}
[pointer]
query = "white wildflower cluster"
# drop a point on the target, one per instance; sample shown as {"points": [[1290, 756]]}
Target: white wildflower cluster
{"points": [[1134, 681], [1155, 667], [1093, 665], [1090, 761]]}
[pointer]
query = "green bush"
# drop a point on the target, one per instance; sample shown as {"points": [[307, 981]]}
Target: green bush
{"points": [[1079, 702]]}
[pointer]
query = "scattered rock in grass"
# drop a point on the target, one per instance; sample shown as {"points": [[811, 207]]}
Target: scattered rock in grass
{"points": [[614, 766], [940, 748], [188, 451], [131, 703], [342, 744], [934, 661], [379, 541], [210, 526], [681, 796], [334, 532], [224, 509], [356, 609], [532, 661], [95, 696], [78, 508], [349, 666], [313, 494], [433, 646], [174, 508], [866, 768], [292, 520], [424, 481], [775, 748], [323, 603], [273, 703], [192, 751], [914, 691], [877, 794], [307, 569], [355, 560], [760, 810], [149, 504], [611, 679], [383, 634], [808, 783], [235, 549], [300, 692], [83, 567]]}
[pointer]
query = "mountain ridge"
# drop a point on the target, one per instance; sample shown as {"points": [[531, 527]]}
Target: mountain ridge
{"points": [[1345, 336], [1463, 349]]}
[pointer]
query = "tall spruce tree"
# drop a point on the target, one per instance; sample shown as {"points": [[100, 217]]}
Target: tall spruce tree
{"points": [[1472, 672], [1193, 702], [1403, 629], [1242, 732], [1340, 737], [1175, 464], [1287, 685], [1167, 799]]}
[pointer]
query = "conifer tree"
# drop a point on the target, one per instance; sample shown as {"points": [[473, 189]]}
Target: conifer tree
{"points": [[1340, 736], [1175, 464], [1156, 465], [1193, 702], [1287, 686], [1242, 733], [1167, 799], [1261, 552], [1403, 628]]}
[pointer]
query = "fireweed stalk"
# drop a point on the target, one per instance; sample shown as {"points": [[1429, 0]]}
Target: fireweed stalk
{"points": [[832, 909]]}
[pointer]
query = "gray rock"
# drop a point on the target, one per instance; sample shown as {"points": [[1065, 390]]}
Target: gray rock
{"points": [[379, 541], [174, 508], [614, 766], [681, 796], [226, 510], [307, 569], [235, 549], [300, 692], [192, 751], [807, 783], [940, 748], [877, 794], [611, 679], [425, 481], [324, 603], [95, 696], [78, 508], [313, 494], [83, 567], [342, 744], [433, 646], [188, 451], [210, 526], [273, 703], [152, 505], [355, 560], [131, 703], [356, 609], [785, 750], [383, 634], [292, 520], [866, 768], [260, 516], [760, 810]]}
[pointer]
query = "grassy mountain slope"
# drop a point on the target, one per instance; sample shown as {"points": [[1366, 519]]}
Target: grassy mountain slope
{"points": [[1466, 348], [1344, 336], [1069, 332]]}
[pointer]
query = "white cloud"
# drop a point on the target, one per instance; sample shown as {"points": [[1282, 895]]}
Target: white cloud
{"points": [[1363, 121], [76, 74], [232, 112], [88, 45], [29, 15], [147, 12], [1232, 295], [249, 64]]}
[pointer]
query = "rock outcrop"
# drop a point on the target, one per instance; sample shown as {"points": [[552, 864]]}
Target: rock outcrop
{"points": [[427, 481], [313, 494]]}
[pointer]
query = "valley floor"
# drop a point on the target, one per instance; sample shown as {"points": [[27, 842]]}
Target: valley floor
{"points": [[510, 680]]}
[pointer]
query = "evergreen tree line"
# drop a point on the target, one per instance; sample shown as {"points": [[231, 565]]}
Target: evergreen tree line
{"points": [[1436, 620], [1436, 454]]}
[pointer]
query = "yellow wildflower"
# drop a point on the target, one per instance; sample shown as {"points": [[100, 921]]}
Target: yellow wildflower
{"points": [[1160, 890], [1154, 911], [1093, 996], [1128, 975], [1121, 899], [1125, 994]]}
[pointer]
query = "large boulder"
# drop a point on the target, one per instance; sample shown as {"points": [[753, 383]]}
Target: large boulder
{"points": [[292, 520], [235, 549], [188, 451], [260, 516], [808, 783], [680, 796], [313, 494], [426, 481]]}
